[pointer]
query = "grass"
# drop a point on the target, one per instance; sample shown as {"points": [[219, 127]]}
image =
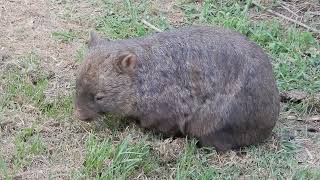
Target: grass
{"points": [[104, 160], [64, 36], [114, 151], [3, 168], [26, 81], [307, 174], [126, 22], [191, 165], [28, 142]]}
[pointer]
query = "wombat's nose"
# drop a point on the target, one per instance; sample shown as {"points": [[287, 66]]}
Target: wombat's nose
{"points": [[78, 114], [85, 114]]}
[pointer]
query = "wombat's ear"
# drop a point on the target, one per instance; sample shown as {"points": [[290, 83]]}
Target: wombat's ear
{"points": [[126, 62], [95, 39]]}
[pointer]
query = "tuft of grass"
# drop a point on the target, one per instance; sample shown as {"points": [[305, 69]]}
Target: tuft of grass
{"points": [[193, 165], [60, 108], [96, 155], [27, 143], [126, 158], [64, 36], [115, 123], [105, 161]]}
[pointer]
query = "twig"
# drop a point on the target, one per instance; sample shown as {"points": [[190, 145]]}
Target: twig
{"points": [[287, 18], [283, 5], [309, 153], [150, 25], [294, 21], [84, 128], [315, 13]]}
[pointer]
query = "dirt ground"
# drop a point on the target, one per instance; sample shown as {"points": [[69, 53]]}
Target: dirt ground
{"points": [[26, 26]]}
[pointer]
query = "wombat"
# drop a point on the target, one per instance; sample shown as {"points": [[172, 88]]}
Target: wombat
{"points": [[204, 82]]}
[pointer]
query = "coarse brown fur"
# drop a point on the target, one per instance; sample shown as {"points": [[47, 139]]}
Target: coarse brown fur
{"points": [[205, 82]]}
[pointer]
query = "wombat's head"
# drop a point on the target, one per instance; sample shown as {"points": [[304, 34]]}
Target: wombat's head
{"points": [[105, 80]]}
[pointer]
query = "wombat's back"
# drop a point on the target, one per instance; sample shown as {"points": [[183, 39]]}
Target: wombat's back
{"points": [[206, 60]]}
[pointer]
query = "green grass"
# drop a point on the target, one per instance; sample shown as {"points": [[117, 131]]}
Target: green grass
{"points": [[104, 160], [28, 145], [123, 20], [296, 62], [64, 36], [191, 165], [96, 154], [60, 108], [26, 82], [3, 168], [28, 142], [23, 79], [307, 173], [80, 54]]}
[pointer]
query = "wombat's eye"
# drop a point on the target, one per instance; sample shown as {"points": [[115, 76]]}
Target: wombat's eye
{"points": [[98, 97]]}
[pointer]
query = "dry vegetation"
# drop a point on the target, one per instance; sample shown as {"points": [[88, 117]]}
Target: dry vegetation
{"points": [[43, 42]]}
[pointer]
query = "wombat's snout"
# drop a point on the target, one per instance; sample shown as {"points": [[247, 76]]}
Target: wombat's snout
{"points": [[84, 115]]}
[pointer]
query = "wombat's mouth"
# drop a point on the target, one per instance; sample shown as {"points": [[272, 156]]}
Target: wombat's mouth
{"points": [[86, 119], [86, 116]]}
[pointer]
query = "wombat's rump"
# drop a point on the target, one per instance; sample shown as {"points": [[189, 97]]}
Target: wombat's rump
{"points": [[205, 82]]}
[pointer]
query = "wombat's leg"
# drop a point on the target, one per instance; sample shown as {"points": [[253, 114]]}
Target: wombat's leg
{"points": [[159, 125], [221, 140], [228, 138]]}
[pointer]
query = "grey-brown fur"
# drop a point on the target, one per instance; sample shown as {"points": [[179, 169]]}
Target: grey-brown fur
{"points": [[205, 82]]}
